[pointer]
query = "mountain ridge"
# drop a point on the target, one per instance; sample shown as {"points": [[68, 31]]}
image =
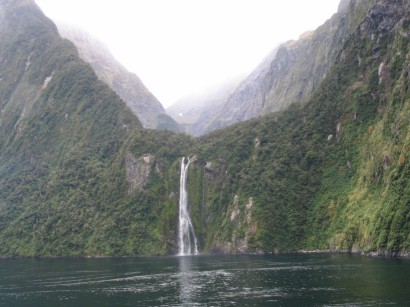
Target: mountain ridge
{"points": [[290, 73], [127, 85]]}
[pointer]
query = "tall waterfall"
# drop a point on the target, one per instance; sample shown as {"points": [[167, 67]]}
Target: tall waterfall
{"points": [[187, 239]]}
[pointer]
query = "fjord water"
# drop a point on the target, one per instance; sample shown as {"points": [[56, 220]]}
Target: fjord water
{"points": [[285, 280]]}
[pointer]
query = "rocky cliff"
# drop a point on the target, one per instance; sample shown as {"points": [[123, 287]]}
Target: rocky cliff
{"points": [[293, 71], [127, 85], [330, 173]]}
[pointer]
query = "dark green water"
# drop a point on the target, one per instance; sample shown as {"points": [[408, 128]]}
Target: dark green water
{"points": [[286, 280]]}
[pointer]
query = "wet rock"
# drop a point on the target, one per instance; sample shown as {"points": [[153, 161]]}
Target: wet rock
{"points": [[387, 162], [137, 171], [339, 131]]}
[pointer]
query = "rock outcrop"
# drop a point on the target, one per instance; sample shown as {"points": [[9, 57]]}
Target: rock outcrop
{"points": [[138, 171]]}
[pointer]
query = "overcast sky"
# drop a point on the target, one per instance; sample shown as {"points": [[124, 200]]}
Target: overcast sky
{"points": [[179, 47]]}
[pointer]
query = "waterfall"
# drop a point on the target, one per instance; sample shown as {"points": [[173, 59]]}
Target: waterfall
{"points": [[187, 236]]}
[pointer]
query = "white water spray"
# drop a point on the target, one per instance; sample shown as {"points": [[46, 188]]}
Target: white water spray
{"points": [[187, 236]]}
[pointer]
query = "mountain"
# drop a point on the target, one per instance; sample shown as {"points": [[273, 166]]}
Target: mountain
{"points": [[127, 85], [195, 111], [293, 71], [66, 159], [80, 176], [330, 173]]}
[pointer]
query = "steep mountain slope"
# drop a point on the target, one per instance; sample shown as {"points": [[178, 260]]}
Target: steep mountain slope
{"points": [[331, 173], [127, 85], [79, 175], [293, 72]]}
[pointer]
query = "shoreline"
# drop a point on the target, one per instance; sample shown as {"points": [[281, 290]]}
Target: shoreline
{"points": [[381, 254]]}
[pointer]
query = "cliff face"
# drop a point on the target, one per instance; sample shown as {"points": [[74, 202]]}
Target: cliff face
{"points": [[127, 85], [293, 71], [331, 173]]}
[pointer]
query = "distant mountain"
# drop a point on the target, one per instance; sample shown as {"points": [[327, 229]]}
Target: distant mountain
{"points": [[126, 84], [194, 112], [293, 71]]}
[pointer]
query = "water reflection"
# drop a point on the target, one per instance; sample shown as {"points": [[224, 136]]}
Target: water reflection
{"points": [[285, 280], [186, 290]]}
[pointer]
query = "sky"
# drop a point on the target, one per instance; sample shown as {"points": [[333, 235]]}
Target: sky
{"points": [[183, 47]]}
